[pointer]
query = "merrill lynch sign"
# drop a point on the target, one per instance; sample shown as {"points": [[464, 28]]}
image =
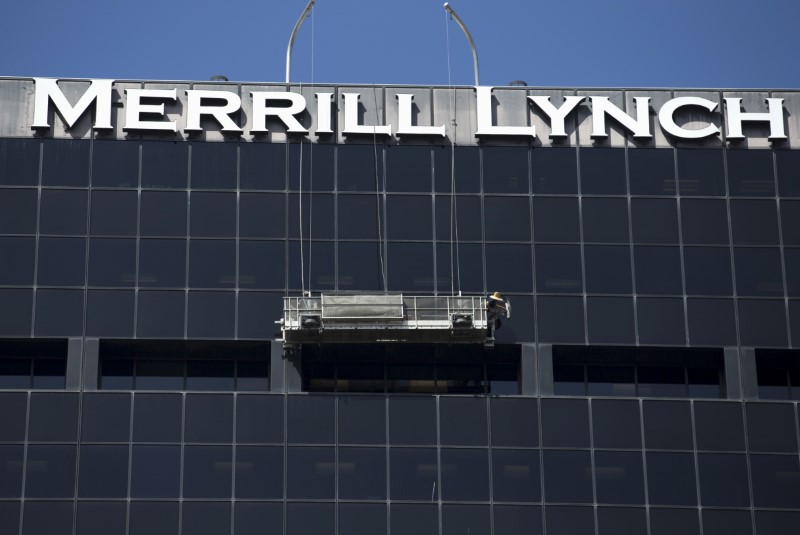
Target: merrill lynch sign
{"points": [[145, 111]]}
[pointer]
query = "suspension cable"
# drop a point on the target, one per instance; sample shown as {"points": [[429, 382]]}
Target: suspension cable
{"points": [[455, 267], [311, 172], [377, 187]]}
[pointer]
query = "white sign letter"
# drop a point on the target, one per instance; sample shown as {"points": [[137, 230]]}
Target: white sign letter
{"points": [[47, 90], [297, 104], [404, 126], [557, 115], [485, 126], [639, 127], [351, 125], [736, 117], [324, 113], [135, 108], [666, 117], [196, 109]]}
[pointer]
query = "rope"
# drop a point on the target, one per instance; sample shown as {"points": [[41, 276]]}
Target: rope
{"points": [[311, 171], [377, 187], [300, 212], [455, 268]]}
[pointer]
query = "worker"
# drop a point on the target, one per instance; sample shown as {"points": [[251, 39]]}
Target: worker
{"points": [[495, 309]]}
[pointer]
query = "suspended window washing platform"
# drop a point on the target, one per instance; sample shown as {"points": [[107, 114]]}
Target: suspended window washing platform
{"points": [[389, 318]]}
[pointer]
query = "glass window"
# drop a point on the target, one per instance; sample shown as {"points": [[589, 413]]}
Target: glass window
{"points": [[160, 374], [155, 471], [209, 376], [259, 419], [65, 162], [253, 518], [214, 165], [661, 321], [358, 377], [508, 266], [62, 261], [762, 322], [317, 165], [262, 215], [554, 170], [253, 308], [503, 377], [305, 518], [109, 313], [467, 174], [776, 481], [557, 411], [53, 418], [105, 418], [514, 422], [750, 173], [615, 424], [610, 320], [101, 518], [790, 222], [467, 221], [209, 418], [262, 166], [310, 473], [758, 271], [460, 519], [412, 420], [652, 171], [359, 167], [662, 381], [723, 480], [15, 373], [413, 474], [603, 171], [164, 213], [157, 417], [708, 270], [311, 419], [362, 473], [211, 314], [558, 269], [667, 425], [517, 520], [776, 522], [671, 478], [567, 476], [212, 263], [569, 520], [362, 519], [17, 267], [359, 266], [615, 381], [556, 219], [711, 321], [207, 472], [704, 221], [788, 163], [505, 169], [506, 219], [458, 277], [701, 172], [411, 267], [259, 472], [727, 522], [213, 215], [52, 518], [621, 520], [114, 213], [112, 262], [619, 477], [18, 210], [10, 513], [605, 220], [516, 476], [465, 474], [201, 518], [654, 220], [50, 471], [165, 164], [408, 168], [719, 426], [153, 518], [671, 521], [362, 420], [161, 314], [608, 269], [422, 519], [103, 472], [358, 217], [318, 219], [560, 319], [754, 222], [658, 270], [19, 162], [771, 427], [460, 379], [58, 312], [115, 164], [162, 263], [11, 462], [463, 421], [13, 416], [792, 263], [49, 373]]}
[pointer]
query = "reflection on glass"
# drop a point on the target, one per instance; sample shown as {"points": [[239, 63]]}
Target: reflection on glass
{"points": [[568, 380], [159, 375], [662, 381], [611, 381]]}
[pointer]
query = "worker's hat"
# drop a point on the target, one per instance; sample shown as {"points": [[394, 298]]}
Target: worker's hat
{"points": [[496, 296]]}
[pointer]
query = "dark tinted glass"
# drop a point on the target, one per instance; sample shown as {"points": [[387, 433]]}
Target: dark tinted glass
{"points": [[103, 472], [615, 424], [13, 416], [671, 478], [116, 374], [413, 474], [567, 476], [165, 164], [465, 474], [603, 171], [661, 321], [788, 163], [619, 477], [11, 462], [101, 518], [253, 307], [362, 420], [458, 519], [722, 522], [610, 320], [515, 422], [66, 163], [771, 428], [115, 164], [762, 322], [58, 312], [569, 520], [776, 481], [255, 518], [463, 421], [114, 213], [750, 173], [412, 420], [411, 268], [448, 262], [317, 166], [667, 425], [207, 471], [153, 518], [53, 518], [723, 480], [422, 519], [212, 263], [754, 222], [463, 219], [506, 219], [758, 271], [671, 521], [569, 380], [708, 270], [615, 381], [161, 314], [554, 170], [516, 476], [262, 215], [359, 167], [704, 221], [311, 419], [162, 263], [654, 220], [214, 165], [362, 519], [362, 473], [109, 313], [652, 171], [105, 418], [557, 411], [163, 213], [560, 319], [155, 471], [621, 520], [608, 269], [658, 270], [205, 518], [50, 471], [358, 217], [719, 426], [19, 162], [160, 374], [359, 266], [711, 321], [213, 215], [517, 520], [605, 220], [259, 419], [408, 168], [61, 261], [465, 176], [776, 522], [157, 417], [209, 418], [399, 226], [701, 172], [505, 170], [19, 271], [112, 262], [209, 375], [791, 257], [558, 269], [18, 208], [310, 473], [53, 418], [508, 266], [555, 219], [263, 166]]}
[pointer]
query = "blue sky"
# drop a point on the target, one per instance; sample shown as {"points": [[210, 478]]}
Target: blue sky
{"points": [[581, 43]]}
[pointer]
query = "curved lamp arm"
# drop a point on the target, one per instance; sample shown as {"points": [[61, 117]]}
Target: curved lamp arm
{"points": [[294, 34], [469, 38]]}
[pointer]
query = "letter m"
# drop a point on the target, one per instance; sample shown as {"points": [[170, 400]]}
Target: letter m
{"points": [[47, 91]]}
